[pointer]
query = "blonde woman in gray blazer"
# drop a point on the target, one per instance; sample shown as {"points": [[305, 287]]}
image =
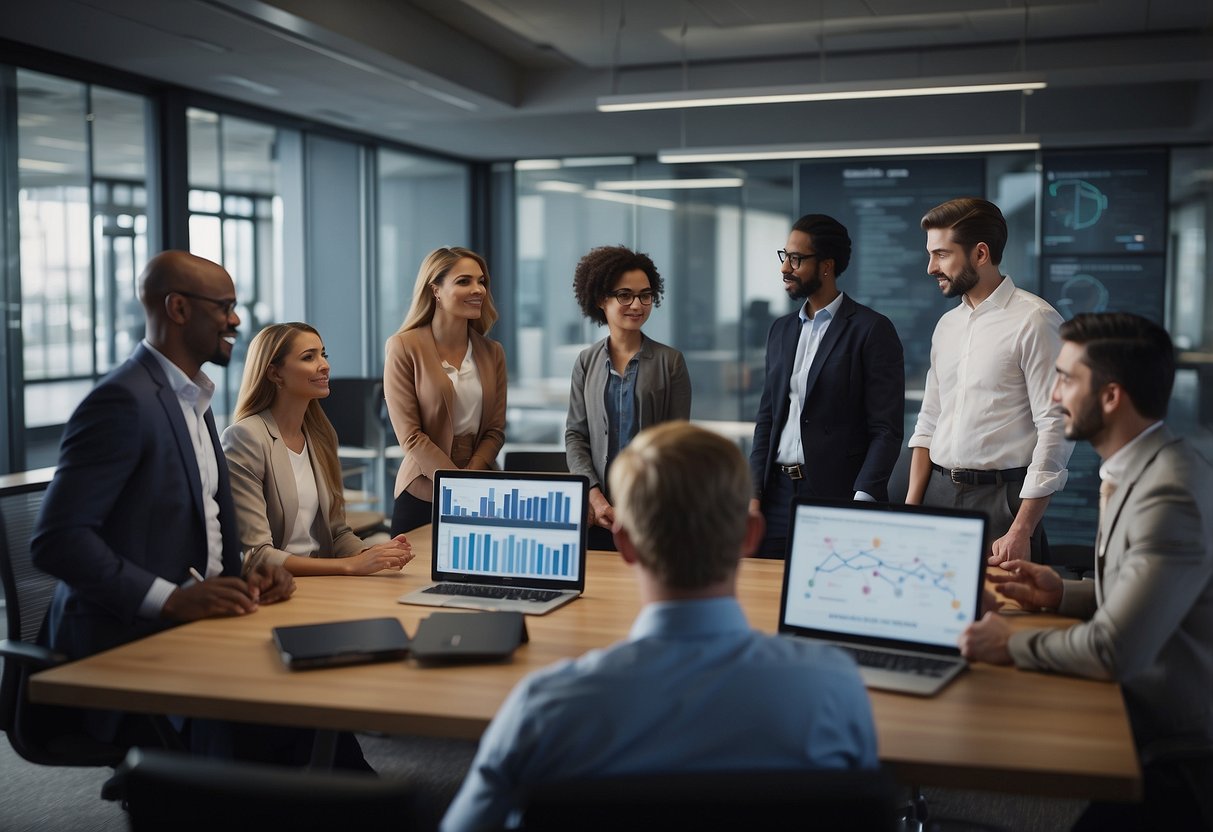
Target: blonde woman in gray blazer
{"points": [[281, 446], [625, 382]]}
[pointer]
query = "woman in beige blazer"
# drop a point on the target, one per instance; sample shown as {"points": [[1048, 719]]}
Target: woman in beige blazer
{"points": [[444, 381], [282, 455]]}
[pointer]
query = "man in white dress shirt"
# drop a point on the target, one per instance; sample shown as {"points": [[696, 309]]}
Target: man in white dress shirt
{"points": [[988, 436]]}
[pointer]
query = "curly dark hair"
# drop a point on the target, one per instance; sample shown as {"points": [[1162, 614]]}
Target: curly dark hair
{"points": [[598, 270]]}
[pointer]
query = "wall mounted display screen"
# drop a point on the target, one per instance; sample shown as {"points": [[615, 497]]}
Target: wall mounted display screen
{"points": [[1123, 283], [881, 204], [1104, 202]]}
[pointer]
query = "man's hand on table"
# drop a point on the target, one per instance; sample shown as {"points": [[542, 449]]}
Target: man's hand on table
{"points": [[227, 596]]}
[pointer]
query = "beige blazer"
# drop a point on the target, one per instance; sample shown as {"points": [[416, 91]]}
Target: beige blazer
{"points": [[421, 404], [1150, 607], [267, 502]]}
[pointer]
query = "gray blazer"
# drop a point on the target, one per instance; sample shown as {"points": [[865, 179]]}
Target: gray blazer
{"points": [[267, 502], [1150, 608], [663, 392]]}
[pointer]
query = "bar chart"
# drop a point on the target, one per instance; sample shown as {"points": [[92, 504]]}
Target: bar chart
{"points": [[518, 528], [549, 509]]}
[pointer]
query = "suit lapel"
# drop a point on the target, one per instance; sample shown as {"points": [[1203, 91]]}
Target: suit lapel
{"points": [[181, 435], [828, 342], [487, 373], [448, 389], [284, 477], [1142, 456]]}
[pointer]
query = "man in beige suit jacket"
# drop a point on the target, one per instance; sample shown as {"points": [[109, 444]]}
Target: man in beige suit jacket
{"points": [[1149, 610]]}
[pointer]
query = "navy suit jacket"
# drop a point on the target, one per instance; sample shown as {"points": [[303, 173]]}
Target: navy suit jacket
{"points": [[125, 507], [853, 412]]}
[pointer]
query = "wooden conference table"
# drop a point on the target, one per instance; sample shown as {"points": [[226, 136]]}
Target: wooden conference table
{"points": [[994, 728]]}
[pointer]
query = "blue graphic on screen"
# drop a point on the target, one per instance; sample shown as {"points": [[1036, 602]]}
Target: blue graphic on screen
{"points": [[884, 574], [510, 528]]}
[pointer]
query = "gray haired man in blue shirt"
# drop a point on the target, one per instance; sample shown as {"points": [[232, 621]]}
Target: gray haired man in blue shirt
{"points": [[680, 693]]}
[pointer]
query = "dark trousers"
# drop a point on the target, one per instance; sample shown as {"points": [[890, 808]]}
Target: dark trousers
{"points": [[777, 497], [1000, 502], [409, 513], [1176, 796]]}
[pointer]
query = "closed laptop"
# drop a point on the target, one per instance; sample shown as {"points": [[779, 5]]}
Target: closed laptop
{"points": [[336, 643]]}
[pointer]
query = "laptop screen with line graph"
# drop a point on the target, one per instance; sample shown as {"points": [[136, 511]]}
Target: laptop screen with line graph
{"points": [[890, 575]]}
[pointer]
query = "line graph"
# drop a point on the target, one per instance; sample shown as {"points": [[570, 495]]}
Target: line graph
{"points": [[884, 574], [871, 565]]}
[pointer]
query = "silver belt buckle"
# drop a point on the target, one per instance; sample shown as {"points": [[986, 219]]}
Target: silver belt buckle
{"points": [[954, 473], [793, 472]]}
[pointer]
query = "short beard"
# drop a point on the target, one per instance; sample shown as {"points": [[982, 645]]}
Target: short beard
{"points": [[802, 290], [962, 283], [1087, 423]]}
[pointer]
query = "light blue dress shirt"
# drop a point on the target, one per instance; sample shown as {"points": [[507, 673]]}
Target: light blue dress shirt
{"points": [[693, 688], [620, 401]]}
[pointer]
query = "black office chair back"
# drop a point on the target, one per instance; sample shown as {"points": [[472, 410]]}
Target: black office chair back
{"points": [[548, 462], [355, 407], [39, 733], [164, 790], [726, 800], [27, 592]]}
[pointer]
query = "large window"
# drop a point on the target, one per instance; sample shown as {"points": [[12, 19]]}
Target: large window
{"points": [[82, 198], [422, 204], [235, 206]]}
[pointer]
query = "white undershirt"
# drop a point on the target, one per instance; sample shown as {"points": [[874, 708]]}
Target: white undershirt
{"points": [[302, 542], [469, 395]]}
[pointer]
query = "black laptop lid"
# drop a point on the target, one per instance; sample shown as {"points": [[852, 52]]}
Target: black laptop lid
{"points": [[336, 643], [510, 529], [883, 575]]}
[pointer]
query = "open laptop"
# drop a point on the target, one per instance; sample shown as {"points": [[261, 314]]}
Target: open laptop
{"points": [[507, 541], [893, 585]]}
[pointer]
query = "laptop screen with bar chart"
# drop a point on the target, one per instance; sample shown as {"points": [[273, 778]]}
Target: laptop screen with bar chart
{"points": [[523, 534]]}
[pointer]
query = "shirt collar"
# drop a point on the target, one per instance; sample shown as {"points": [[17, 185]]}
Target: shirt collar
{"points": [[702, 617], [1000, 297], [197, 392], [831, 309], [1113, 468]]}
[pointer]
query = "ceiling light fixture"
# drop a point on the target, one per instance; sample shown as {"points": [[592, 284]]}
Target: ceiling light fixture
{"points": [[850, 150], [668, 184], [837, 91]]}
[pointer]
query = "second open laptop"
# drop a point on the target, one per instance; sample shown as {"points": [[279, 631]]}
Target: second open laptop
{"points": [[893, 585], [506, 541]]}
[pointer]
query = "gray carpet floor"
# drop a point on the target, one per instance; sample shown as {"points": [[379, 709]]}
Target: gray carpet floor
{"points": [[35, 798]]}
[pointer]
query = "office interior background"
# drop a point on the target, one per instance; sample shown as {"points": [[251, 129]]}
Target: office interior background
{"points": [[319, 150]]}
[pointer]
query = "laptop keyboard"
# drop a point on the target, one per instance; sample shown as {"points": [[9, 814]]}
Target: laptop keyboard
{"points": [[900, 662], [496, 593]]}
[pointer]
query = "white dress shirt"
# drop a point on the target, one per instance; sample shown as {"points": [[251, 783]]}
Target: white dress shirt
{"points": [[194, 395], [469, 394], [987, 404], [303, 542]]}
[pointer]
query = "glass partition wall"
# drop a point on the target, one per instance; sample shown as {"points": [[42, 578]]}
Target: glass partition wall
{"points": [[82, 197]]}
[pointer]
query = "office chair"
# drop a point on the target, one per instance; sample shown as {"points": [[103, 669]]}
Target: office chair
{"points": [[718, 800], [41, 734], [355, 408], [553, 462], [166, 790]]}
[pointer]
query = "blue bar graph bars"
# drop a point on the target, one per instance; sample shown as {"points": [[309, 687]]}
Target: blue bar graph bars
{"points": [[513, 555], [552, 510]]}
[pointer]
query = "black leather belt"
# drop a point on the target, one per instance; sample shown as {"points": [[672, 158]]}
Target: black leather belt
{"points": [[794, 472], [968, 476]]}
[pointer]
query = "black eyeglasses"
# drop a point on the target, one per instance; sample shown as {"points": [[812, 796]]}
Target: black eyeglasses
{"points": [[626, 296], [794, 258], [228, 306]]}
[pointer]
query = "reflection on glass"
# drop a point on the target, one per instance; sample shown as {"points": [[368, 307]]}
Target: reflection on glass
{"points": [[83, 237], [422, 204], [234, 183]]}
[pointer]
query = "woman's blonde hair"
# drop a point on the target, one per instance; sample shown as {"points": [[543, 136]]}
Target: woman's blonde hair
{"points": [[433, 271], [269, 347]]}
